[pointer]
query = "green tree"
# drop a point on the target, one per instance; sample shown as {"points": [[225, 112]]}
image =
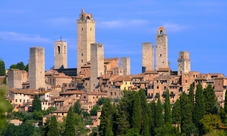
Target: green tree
{"points": [[158, 114], [210, 122], [37, 115], [132, 132], [94, 110], [77, 107], [191, 93], [121, 124], [69, 126], [53, 128], [209, 100], [146, 127], [167, 115], [26, 67], [186, 114], [176, 112], [222, 115], [225, 102], [199, 107], [152, 112], [45, 127], [106, 119], [36, 104], [2, 68], [136, 113]]}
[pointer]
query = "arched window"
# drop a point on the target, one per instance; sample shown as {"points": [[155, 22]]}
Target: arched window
{"points": [[58, 49]]}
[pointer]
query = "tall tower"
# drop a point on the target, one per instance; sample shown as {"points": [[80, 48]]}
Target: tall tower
{"points": [[85, 36], [37, 68], [125, 63], [184, 65], [147, 56], [161, 49], [15, 78], [97, 64], [60, 54]]}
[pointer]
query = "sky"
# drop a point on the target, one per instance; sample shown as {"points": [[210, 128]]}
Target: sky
{"points": [[199, 27]]}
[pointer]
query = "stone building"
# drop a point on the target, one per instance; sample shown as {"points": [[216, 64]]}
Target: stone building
{"points": [[147, 56], [60, 54], [85, 36], [37, 68], [16, 77], [184, 65], [125, 63], [161, 49], [97, 64]]}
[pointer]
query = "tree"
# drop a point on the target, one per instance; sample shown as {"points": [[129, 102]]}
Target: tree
{"points": [[146, 127], [158, 114], [77, 107], [176, 112], [2, 68], [167, 116], [209, 100], [36, 104], [210, 122], [186, 114], [225, 103], [199, 107], [94, 110], [53, 128], [69, 126], [191, 94], [152, 112], [136, 113]]}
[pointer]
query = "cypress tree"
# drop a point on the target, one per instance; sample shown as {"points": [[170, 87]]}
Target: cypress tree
{"points": [[69, 126], [225, 102], [158, 114], [145, 129], [136, 113], [2, 68], [109, 131], [191, 93], [176, 112], [167, 116], [152, 106], [210, 100], [53, 128], [199, 107], [36, 104], [77, 107], [186, 114]]}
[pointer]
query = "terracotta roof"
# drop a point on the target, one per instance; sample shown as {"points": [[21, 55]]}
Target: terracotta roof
{"points": [[60, 111], [28, 91], [73, 92], [161, 28], [151, 72], [163, 69], [96, 93]]}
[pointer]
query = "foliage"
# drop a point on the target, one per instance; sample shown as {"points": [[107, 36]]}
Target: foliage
{"points": [[191, 94], [158, 114], [133, 132], [5, 106], [222, 115], [45, 127], [69, 126], [136, 113], [210, 122], [49, 110], [77, 107], [152, 106], [199, 107], [36, 104], [176, 112], [94, 110], [101, 100], [2, 68], [167, 130], [53, 128], [225, 102], [217, 133], [146, 127], [37, 115], [167, 115], [19, 65], [210, 100]]}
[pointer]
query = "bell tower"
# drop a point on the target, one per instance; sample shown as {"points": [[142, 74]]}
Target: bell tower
{"points": [[85, 36], [60, 54], [161, 49]]}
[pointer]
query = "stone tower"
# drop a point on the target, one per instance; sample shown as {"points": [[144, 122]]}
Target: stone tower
{"points": [[85, 36], [147, 56], [161, 49], [125, 63], [37, 68], [97, 64], [184, 65], [15, 78], [60, 54]]}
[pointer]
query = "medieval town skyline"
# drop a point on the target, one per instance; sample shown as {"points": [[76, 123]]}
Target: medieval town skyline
{"points": [[189, 28]]}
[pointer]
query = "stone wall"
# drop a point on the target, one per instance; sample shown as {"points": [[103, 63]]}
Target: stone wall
{"points": [[15, 78], [184, 65], [125, 63], [147, 56], [37, 68]]}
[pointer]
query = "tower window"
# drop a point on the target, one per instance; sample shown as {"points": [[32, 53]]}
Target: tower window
{"points": [[161, 33], [160, 55], [82, 61], [90, 29], [82, 54], [58, 49], [82, 29], [65, 49]]}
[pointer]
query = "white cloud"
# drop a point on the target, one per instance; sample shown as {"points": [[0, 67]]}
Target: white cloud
{"points": [[174, 27], [122, 23], [12, 36]]}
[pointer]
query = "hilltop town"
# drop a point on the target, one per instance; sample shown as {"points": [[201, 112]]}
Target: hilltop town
{"points": [[97, 77]]}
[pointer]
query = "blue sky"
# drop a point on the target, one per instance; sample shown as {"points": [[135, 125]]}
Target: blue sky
{"points": [[199, 27]]}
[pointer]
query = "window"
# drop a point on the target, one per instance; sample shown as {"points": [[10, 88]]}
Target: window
{"points": [[82, 29], [82, 61], [161, 33], [157, 87], [160, 55], [82, 54], [90, 29], [186, 81], [58, 49]]}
